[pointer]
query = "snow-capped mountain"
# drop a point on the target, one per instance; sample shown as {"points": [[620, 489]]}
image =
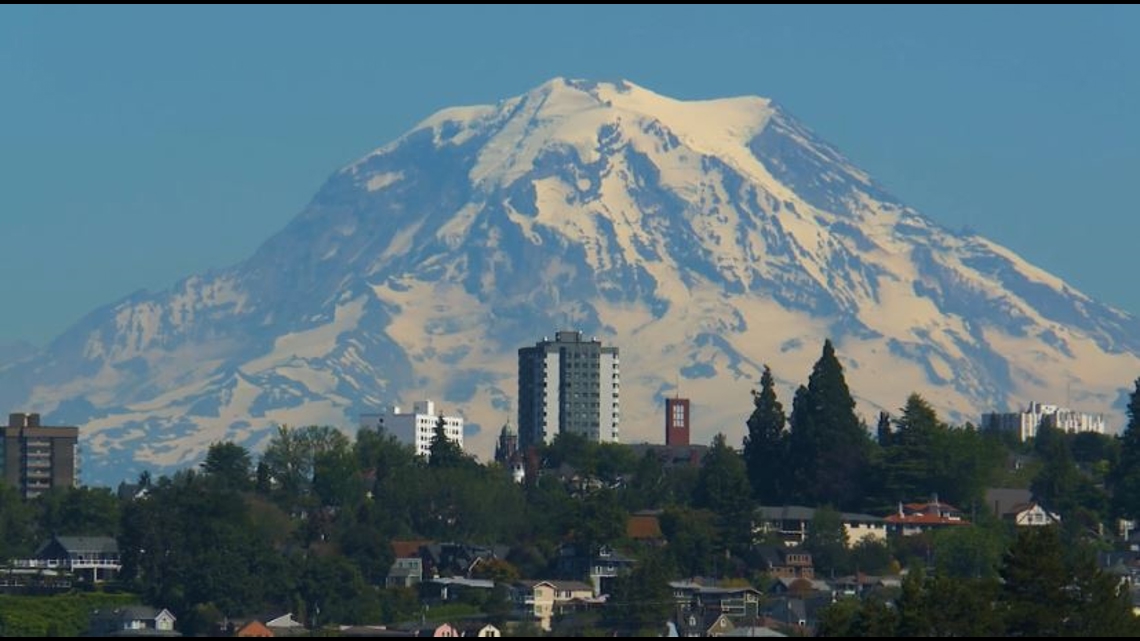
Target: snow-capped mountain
{"points": [[703, 238]]}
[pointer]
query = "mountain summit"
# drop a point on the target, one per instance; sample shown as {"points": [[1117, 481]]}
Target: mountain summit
{"points": [[703, 238]]}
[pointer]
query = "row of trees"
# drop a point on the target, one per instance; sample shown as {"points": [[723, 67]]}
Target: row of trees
{"points": [[824, 454], [1046, 589]]}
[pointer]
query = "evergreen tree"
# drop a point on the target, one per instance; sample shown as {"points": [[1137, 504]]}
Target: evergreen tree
{"points": [[642, 600], [883, 429], [1033, 596], [229, 464], [1057, 484], [1126, 475], [909, 465], [912, 606], [962, 607], [765, 446], [828, 448], [1100, 606], [723, 488], [444, 452], [827, 542]]}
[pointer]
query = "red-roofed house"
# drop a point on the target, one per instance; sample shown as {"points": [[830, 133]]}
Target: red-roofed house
{"points": [[644, 526], [915, 518]]}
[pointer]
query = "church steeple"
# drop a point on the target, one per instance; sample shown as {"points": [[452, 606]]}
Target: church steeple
{"points": [[508, 445]]}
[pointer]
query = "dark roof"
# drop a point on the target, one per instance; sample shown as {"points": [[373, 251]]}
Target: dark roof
{"points": [[786, 512], [801, 513], [104, 544], [130, 613], [1002, 499]]}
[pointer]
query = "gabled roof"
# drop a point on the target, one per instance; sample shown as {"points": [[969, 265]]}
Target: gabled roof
{"points": [[924, 519], [76, 544], [254, 629], [814, 584], [1001, 499], [572, 586], [285, 620], [643, 526], [408, 548], [703, 622], [131, 613], [486, 584], [802, 513]]}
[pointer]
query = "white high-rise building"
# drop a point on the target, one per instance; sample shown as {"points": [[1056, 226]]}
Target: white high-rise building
{"points": [[1025, 422], [416, 428], [568, 385]]}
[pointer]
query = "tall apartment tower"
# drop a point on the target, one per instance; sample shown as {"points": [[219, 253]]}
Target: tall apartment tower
{"points": [[676, 421], [568, 385], [35, 458]]}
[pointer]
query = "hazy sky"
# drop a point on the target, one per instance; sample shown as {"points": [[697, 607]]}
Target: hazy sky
{"points": [[141, 145]]}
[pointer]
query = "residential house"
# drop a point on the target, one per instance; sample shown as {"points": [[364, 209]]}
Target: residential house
{"points": [[405, 573], [373, 631], [458, 559], [786, 612], [91, 558], [478, 629], [435, 630], [1031, 514], [541, 600], [254, 629], [780, 562], [1003, 499], [792, 522], [794, 615], [736, 602], [703, 624], [605, 567], [645, 527], [800, 587], [284, 625], [133, 620], [1122, 564], [861, 584], [753, 631], [915, 518], [26, 580], [131, 491], [451, 589]]}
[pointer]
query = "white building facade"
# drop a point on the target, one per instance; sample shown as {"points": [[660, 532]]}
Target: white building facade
{"points": [[415, 428], [1026, 422]]}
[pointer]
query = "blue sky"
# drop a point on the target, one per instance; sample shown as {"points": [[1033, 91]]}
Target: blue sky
{"points": [[141, 145]]}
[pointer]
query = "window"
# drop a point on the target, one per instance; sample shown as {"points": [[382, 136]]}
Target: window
{"points": [[678, 416]]}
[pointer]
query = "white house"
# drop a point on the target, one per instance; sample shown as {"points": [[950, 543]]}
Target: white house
{"points": [[1031, 515], [94, 558], [542, 599], [133, 619], [791, 523]]}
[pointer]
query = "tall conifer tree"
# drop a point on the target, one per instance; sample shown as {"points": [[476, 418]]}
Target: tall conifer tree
{"points": [[765, 445], [828, 448]]}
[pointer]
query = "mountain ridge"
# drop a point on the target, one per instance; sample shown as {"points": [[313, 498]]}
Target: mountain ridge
{"points": [[701, 237]]}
